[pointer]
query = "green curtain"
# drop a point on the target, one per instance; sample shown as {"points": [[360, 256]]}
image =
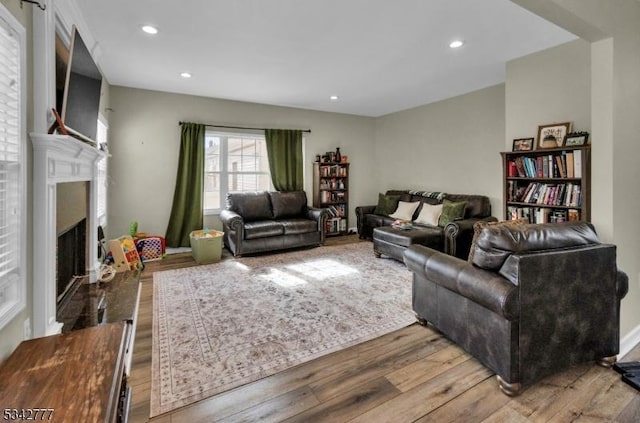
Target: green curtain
{"points": [[284, 149], [186, 212]]}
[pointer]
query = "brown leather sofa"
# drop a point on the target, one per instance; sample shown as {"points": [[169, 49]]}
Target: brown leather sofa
{"points": [[453, 239], [534, 300], [255, 222]]}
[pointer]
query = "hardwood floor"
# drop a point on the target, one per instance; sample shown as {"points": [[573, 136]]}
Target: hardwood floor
{"points": [[411, 375]]}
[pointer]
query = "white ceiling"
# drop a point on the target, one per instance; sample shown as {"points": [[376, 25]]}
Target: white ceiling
{"points": [[378, 56]]}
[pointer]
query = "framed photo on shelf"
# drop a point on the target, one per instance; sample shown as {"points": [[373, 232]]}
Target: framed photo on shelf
{"points": [[552, 135], [523, 144], [576, 138]]}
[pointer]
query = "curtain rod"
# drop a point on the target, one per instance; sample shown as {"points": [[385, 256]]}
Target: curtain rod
{"points": [[240, 127]]}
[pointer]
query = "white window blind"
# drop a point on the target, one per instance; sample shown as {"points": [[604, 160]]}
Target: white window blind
{"points": [[12, 139], [101, 180]]}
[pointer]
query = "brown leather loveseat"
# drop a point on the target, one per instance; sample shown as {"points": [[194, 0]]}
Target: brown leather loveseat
{"points": [[534, 299], [255, 222]]}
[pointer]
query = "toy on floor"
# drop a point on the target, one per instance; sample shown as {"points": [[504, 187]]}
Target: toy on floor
{"points": [[150, 247]]}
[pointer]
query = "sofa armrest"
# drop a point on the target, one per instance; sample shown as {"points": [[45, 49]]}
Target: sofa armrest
{"points": [[360, 212], [320, 215], [622, 284], [480, 286], [231, 220], [459, 234], [317, 214]]}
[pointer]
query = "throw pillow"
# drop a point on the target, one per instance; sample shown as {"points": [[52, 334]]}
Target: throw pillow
{"points": [[479, 226], [451, 211], [429, 215], [405, 210], [386, 204]]}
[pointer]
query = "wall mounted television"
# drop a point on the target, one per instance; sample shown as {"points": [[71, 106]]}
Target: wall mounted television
{"points": [[80, 103]]}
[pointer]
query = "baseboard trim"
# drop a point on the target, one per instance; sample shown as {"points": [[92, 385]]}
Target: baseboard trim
{"points": [[629, 341]]}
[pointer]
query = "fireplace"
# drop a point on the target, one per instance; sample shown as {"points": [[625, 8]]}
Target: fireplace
{"points": [[59, 159], [71, 260]]}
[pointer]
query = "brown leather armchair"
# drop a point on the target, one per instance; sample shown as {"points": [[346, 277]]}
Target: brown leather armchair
{"points": [[255, 222], [534, 300]]}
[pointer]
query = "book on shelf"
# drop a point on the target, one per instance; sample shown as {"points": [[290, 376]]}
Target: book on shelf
{"points": [[569, 194], [337, 210], [541, 214], [336, 225], [570, 165], [577, 163], [561, 167], [565, 164], [520, 167]]}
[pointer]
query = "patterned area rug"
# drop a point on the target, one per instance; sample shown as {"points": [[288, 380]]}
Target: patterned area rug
{"points": [[219, 326]]}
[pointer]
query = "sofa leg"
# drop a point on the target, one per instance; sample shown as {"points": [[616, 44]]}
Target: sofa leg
{"points": [[377, 254], [421, 321], [509, 389], [607, 361]]}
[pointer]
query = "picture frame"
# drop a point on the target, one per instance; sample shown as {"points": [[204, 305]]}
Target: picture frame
{"points": [[523, 144], [552, 135], [575, 139]]}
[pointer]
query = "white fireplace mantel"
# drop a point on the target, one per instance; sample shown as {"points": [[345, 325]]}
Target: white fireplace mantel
{"points": [[58, 159]]}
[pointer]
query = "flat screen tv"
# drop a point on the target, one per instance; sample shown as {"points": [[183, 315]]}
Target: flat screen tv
{"points": [[81, 96]]}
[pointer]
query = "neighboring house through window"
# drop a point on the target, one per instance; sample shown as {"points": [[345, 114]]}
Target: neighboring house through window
{"points": [[234, 162]]}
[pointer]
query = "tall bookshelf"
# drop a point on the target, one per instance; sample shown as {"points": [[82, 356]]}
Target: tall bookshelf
{"points": [[331, 191], [547, 185]]}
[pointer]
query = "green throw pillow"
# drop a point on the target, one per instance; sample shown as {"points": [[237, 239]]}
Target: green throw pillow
{"points": [[451, 211], [387, 204]]}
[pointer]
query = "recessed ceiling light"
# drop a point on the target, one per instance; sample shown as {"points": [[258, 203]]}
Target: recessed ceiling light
{"points": [[150, 29], [185, 75], [333, 98], [456, 44]]}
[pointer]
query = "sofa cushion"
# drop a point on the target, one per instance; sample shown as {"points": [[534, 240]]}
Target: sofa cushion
{"points": [[298, 226], [288, 204], [496, 243], [451, 211], [405, 210], [404, 194], [387, 204], [262, 228], [429, 214], [477, 205], [250, 205]]}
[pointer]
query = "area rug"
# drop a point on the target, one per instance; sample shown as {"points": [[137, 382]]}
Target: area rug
{"points": [[219, 326]]}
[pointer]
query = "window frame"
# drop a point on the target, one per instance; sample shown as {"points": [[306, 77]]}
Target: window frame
{"points": [[102, 167], [224, 171], [17, 289]]}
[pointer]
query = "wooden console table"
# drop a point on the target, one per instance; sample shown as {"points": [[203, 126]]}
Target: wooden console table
{"points": [[77, 376]]}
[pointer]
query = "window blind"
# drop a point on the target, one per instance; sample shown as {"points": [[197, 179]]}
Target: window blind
{"points": [[12, 285]]}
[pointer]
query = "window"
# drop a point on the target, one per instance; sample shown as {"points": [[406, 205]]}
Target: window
{"points": [[233, 163], [101, 182], [12, 167]]}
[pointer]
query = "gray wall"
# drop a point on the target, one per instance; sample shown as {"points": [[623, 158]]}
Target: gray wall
{"points": [[548, 87], [451, 146], [145, 143]]}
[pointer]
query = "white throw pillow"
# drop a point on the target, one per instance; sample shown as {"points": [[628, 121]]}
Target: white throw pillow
{"points": [[429, 215], [405, 210]]}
